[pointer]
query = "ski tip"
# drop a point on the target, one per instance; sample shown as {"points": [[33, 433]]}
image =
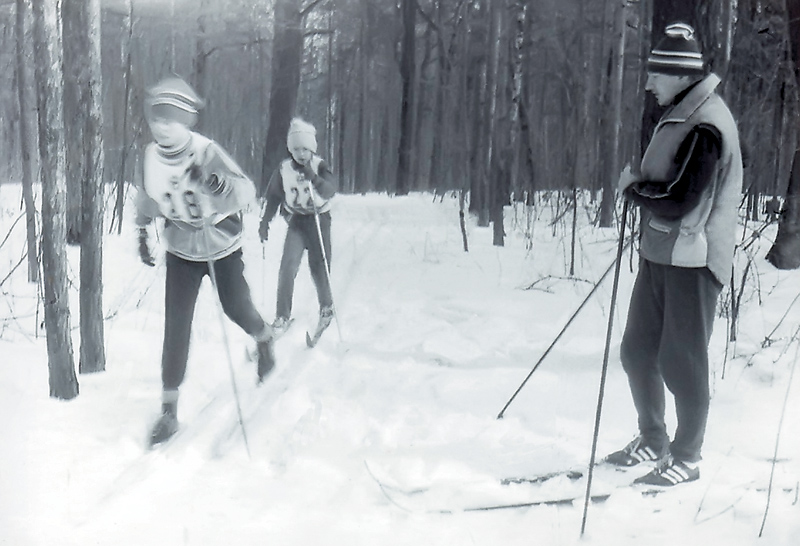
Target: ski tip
{"points": [[310, 342]]}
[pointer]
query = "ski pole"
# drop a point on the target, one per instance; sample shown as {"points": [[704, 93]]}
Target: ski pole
{"points": [[220, 312], [263, 276], [324, 258], [604, 371], [561, 333]]}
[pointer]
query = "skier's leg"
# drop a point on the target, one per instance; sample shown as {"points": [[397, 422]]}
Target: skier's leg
{"points": [[182, 284], [234, 294], [293, 248], [689, 319], [639, 350], [316, 260]]}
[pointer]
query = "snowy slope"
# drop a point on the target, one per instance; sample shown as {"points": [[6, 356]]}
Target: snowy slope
{"points": [[433, 343]]}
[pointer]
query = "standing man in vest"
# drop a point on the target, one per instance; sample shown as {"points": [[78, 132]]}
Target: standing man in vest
{"points": [[688, 188]]}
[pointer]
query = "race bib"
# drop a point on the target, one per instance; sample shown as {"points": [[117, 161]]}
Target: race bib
{"points": [[179, 198]]}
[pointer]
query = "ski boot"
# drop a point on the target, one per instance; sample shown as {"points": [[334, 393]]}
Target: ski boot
{"points": [[266, 358], [280, 326], [325, 319], [167, 425]]}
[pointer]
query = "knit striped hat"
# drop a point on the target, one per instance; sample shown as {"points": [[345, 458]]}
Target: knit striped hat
{"points": [[678, 53], [175, 100]]}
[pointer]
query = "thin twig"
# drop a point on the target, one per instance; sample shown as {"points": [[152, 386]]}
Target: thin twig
{"points": [[778, 437]]}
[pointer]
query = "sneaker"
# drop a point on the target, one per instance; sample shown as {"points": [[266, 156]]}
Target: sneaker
{"points": [[166, 426], [266, 358], [669, 472], [634, 453]]}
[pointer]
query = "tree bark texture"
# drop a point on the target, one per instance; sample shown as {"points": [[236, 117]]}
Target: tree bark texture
{"points": [[49, 92], [27, 140], [287, 52], [90, 118], [607, 205], [785, 253], [407, 70]]}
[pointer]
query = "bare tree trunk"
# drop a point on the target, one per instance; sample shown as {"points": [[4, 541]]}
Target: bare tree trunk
{"points": [[440, 144], [363, 148], [785, 253], [75, 89], [481, 141], [608, 184], [332, 96], [26, 136], [493, 177], [407, 69], [92, 351], [49, 91], [119, 203], [201, 55], [519, 11], [287, 54]]}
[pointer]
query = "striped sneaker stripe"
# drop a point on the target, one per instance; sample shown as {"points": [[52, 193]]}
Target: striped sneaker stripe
{"points": [[675, 474], [644, 454]]}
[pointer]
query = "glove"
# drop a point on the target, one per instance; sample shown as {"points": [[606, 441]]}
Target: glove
{"points": [[212, 184], [144, 250], [626, 179], [263, 230], [195, 172], [308, 172]]}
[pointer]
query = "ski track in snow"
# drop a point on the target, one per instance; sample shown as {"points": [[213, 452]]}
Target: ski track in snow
{"points": [[372, 439]]}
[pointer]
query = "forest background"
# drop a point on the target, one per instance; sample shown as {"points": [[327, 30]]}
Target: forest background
{"points": [[498, 100]]}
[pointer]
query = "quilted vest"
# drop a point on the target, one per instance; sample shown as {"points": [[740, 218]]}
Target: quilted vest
{"points": [[705, 236]]}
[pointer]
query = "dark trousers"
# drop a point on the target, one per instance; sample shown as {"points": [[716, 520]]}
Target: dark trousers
{"points": [[183, 283], [301, 236], [666, 340]]}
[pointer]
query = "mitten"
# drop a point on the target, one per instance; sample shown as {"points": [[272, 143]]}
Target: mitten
{"points": [[308, 172], [144, 250], [195, 172], [263, 230]]}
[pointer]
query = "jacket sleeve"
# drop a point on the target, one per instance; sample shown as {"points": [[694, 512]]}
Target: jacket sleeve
{"points": [[324, 182], [233, 190], [696, 161], [275, 196]]}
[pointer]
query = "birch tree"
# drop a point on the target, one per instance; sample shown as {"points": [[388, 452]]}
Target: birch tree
{"points": [[49, 94], [82, 42]]}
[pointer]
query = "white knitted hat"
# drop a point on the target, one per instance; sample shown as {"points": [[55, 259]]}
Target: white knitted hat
{"points": [[301, 133]]}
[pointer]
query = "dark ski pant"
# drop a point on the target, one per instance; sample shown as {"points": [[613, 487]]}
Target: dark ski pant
{"points": [[301, 236], [666, 338], [183, 283]]}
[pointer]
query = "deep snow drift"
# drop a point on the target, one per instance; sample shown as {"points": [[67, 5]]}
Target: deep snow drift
{"points": [[433, 343]]}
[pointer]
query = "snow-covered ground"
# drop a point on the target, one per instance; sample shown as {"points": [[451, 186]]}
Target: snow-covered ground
{"points": [[371, 437]]}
